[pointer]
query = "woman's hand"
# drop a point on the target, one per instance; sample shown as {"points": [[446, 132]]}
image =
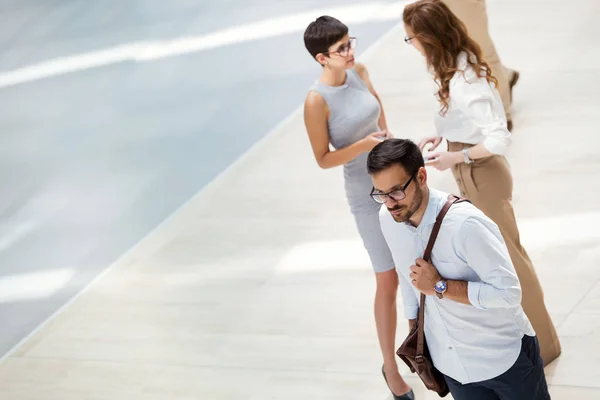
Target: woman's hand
{"points": [[368, 142], [443, 160], [433, 140]]}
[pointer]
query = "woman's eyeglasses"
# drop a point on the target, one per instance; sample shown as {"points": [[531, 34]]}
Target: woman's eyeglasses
{"points": [[344, 49]]}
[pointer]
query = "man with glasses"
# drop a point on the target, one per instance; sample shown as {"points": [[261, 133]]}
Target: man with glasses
{"points": [[477, 333]]}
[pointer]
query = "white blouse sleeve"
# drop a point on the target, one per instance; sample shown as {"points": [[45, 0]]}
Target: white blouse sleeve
{"points": [[479, 101]]}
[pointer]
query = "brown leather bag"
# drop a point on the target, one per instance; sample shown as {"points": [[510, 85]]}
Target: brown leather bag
{"points": [[414, 350]]}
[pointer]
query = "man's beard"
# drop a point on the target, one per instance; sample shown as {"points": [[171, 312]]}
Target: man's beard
{"points": [[408, 211]]}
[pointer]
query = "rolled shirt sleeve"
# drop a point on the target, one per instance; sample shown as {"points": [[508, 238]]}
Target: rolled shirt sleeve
{"points": [[480, 244], [480, 101]]}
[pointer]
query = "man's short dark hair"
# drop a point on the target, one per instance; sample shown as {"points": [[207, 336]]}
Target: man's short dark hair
{"points": [[395, 151], [322, 34]]}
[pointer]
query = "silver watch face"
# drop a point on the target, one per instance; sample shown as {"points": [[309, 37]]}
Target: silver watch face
{"points": [[466, 157]]}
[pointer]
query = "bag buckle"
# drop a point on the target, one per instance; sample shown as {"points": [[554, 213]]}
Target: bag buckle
{"points": [[419, 359]]}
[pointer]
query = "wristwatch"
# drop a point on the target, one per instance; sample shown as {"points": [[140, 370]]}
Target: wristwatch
{"points": [[440, 288], [466, 158]]}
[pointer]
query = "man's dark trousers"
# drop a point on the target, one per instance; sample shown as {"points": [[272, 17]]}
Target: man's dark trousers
{"points": [[525, 380]]}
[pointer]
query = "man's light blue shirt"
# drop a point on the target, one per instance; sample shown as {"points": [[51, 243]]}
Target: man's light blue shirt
{"points": [[469, 343]]}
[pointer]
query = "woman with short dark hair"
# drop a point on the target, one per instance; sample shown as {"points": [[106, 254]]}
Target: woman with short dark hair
{"points": [[343, 110]]}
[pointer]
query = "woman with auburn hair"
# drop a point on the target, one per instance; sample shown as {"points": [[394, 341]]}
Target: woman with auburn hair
{"points": [[472, 120]]}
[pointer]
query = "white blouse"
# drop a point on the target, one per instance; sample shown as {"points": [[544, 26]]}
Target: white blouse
{"points": [[475, 114]]}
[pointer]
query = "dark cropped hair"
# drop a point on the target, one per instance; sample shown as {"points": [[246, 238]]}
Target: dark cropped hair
{"points": [[395, 151], [322, 34]]}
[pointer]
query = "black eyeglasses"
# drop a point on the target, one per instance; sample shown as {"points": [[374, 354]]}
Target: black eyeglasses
{"points": [[408, 39], [396, 194], [344, 49]]}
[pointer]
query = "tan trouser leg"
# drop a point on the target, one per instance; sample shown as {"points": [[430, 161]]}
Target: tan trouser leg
{"points": [[488, 184]]}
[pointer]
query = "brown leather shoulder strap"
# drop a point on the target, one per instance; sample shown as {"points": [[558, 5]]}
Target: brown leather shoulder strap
{"points": [[436, 229], [438, 224]]}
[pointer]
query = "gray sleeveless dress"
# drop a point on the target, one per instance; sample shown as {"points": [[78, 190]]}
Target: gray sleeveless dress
{"points": [[354, 114]]}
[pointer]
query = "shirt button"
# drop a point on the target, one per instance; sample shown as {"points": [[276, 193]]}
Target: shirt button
{"points": [[450, 347]]}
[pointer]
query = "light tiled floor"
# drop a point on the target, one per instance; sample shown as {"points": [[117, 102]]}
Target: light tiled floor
{"points": [[259, 287]]}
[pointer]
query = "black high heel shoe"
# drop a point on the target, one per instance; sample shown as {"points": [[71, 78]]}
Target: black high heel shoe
{"points": [[407, 396]]}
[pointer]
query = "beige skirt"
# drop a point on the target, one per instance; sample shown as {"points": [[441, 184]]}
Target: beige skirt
{"points": [[488, 184]]}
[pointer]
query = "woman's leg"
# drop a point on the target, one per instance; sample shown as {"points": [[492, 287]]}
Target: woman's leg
{"points": [[385, 310]]}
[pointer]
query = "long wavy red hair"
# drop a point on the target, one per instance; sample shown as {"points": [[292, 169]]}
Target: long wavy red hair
{"points": [[444, 37]]}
